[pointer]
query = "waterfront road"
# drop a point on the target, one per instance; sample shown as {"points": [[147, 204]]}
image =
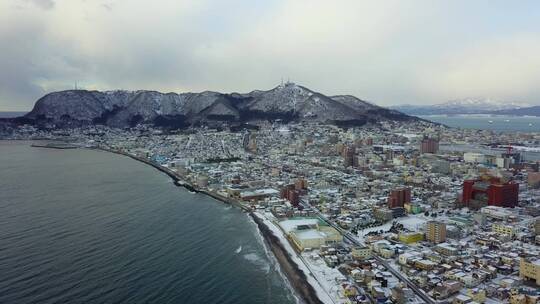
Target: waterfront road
{"points": [[351, 238]]}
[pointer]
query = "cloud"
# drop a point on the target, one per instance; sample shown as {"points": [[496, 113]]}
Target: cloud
{"points": [[507, 68], [44, 4], [388, 52]]}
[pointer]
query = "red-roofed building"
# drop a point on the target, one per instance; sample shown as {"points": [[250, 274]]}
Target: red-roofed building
{"points": [[490, 192]]}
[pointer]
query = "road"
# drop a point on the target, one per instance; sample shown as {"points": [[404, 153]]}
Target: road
{"points": [[351, 238]]}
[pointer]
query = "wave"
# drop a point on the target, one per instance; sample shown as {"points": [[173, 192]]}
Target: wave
{"points": [[274, 262]]}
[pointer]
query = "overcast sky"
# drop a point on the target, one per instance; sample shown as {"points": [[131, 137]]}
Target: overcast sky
{"points": [[388, 52]]}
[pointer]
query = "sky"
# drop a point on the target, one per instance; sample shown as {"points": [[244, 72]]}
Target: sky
{"points": [[387, 52]]}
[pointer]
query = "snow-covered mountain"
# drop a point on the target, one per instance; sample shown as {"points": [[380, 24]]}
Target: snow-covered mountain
{"points": [[461, 106], [288, 102]]}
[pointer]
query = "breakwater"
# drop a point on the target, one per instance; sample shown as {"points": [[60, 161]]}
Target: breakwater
{"points": [[61, 146]]}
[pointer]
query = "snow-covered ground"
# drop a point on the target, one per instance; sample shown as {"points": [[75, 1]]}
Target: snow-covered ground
{"points": [[411, 222], [326, 276]]}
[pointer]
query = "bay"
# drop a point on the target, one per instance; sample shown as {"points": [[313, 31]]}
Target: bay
{"points": [[82, 226]]}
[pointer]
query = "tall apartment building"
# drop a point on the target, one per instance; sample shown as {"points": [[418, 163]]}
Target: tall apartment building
{"points": [[349, 159], [436, 232], [429, 145], [398, 197]]}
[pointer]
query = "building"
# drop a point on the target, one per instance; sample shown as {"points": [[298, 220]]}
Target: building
{"points": [[257, 194], [473, 157], [399, 197], [446, 250], [291, 194], [413, 208], [349, 159], [447, 289], [383, 214], [408, 258], [429, 145], [410, 237], [495, 212], [440, 166], [252, 143], [436, 232], [530, 269], [492, 192], [361, 253], [503, 162], [202, 181], [310, 233], [502, 229], [514, 156], [424, 264], [533, 179], [301, 184], [478, 295], [462, 299]]}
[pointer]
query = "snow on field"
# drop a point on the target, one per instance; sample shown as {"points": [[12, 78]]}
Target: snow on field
{"points": [[321, 279], [362, 233], [412, 222]]}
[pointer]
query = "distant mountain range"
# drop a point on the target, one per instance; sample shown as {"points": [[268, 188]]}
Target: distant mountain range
{"points": [[286, 102], [526, 111], [11, 114], [470, 106]]}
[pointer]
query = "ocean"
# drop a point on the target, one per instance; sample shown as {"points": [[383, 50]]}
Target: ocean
{"points": [[83, 226], [488, 122]]}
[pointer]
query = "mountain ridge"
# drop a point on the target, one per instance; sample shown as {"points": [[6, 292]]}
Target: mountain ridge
{"points": [[286, 102]]}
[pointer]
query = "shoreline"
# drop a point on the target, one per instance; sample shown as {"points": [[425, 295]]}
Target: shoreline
{"points": [[296, 277], [178, 181]]}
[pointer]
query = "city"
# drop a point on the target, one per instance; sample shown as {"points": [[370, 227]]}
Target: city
{"points": [[269, 152], [370, 214]]}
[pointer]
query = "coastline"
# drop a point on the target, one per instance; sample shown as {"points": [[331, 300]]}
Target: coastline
{"points": [[294, 274], [296, 277]]}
